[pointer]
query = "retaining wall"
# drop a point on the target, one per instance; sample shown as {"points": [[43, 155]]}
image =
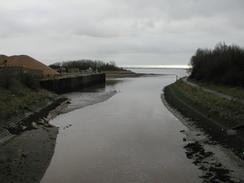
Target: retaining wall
{"points": [[202, 120], [72, 83]]}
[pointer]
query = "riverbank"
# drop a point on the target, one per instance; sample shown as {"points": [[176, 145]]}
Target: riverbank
{"points": [[26, 156], [215, 114], [27, 139], [22, 107], [126, 74]]}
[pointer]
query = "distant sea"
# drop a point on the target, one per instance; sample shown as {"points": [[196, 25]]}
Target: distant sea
{"points": [[180, 72]]}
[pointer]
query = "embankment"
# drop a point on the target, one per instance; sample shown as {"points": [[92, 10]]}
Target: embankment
{"points": [[72, 83], [26, 157], [30, 120], [21, 105], [214, 114]]}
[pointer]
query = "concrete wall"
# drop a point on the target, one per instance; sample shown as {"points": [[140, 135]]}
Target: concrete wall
{"points": [[201, 119], [72, 83]]}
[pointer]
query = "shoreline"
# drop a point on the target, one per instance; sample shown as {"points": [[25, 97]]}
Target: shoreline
{"points": [[216, 161], [40, 116], [201, 117], [128, 74], [26, 155], [28, 142]]}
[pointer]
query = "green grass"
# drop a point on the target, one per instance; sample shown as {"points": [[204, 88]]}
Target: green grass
{"points": [[20, 99], [237, 92], [228, 113]]}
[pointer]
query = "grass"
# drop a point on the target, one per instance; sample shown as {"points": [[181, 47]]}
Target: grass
{"points": [[227, 113], [20, 99], [237, 92]]}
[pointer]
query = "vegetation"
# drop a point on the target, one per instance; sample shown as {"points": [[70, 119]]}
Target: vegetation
{"points": [[228, 113], [86, 64], [233, 91], [10, 79], [17, 103], [222, 65], [19, 95]]}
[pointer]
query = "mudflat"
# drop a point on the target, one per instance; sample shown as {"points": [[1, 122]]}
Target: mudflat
{"points": [[26, 157]]}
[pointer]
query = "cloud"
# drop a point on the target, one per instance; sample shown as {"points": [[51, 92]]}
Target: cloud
{"points": [[127, 31]]}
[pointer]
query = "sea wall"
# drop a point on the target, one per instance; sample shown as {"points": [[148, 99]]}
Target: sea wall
{"points": [[196, 115], [72, 83]]}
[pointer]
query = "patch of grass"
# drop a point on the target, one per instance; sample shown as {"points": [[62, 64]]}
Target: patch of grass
{"points": [[226, 112], [20, 99], [237, 92]]}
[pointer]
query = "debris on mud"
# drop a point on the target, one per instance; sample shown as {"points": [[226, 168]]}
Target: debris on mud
{"points": [[213, 171]]}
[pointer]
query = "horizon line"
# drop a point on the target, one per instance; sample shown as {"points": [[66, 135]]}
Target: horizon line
{"points": [[156, 66]]}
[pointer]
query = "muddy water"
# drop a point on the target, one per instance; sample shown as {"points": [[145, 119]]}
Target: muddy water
{"points": [[129, 138]]}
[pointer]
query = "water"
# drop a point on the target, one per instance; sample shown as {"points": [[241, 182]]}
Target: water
{"points": [[173, 71], [129, 138]]}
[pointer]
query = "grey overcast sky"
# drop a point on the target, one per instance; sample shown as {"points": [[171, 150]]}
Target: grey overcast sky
{"points": [[129, 32]]}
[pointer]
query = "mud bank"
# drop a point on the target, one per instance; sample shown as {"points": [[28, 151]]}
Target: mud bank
{"points": [[25, 157], [79, 100]]}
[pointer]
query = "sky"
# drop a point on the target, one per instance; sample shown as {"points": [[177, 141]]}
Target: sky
{"points": [[129, 32]]}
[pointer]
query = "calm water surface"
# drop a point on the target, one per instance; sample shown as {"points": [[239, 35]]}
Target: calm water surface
{"points": [[129, 138]]}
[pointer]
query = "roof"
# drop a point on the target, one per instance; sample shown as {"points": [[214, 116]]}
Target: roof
{"points": [[27, 62]]}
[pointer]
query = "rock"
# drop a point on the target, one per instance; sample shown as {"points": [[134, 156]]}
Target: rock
{"points": [[34, 125], [48, 125], [23, 127], [41, 122]]}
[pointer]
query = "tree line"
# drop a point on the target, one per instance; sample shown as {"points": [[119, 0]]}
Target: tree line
{"points": [[85, 65], [222, 65]]}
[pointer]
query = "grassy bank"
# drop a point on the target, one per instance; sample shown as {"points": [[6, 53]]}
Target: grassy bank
{"points": [[20, 99], [234, 91], [214, 114], [227, 113]]}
